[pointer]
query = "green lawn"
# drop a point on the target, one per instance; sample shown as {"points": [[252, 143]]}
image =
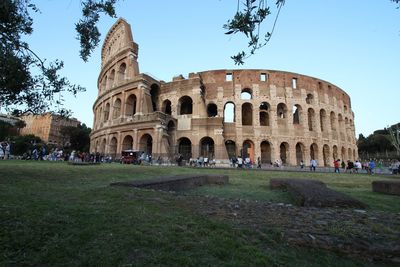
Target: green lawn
{"points": [[55, 214]]}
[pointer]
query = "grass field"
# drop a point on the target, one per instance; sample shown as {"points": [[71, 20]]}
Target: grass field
{"points": [[55, 214]]}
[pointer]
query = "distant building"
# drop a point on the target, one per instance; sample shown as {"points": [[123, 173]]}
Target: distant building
{"points": [[47, 126]]}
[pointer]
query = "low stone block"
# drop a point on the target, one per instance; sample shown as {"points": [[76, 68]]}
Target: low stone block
{"points": [[315, 193], [176, 182], [386, 187]]}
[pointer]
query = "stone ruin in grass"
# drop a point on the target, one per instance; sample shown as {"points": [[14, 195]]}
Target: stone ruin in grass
{"points": [[310, 193], [386, 187], [176, 182]]}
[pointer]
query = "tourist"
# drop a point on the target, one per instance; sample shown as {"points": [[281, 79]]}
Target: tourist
{"points": [[313, 165], [343, 165], [350, 166], [258, 163], [357, 166], [239, 162], [371, 167], [336, 164], [301, 164]]}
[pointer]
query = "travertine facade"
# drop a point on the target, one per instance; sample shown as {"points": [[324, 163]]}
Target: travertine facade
{"points": [[47, 126], [217, 114]]}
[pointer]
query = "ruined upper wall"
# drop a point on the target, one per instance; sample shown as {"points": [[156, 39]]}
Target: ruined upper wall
{"points": [[118, 40]]}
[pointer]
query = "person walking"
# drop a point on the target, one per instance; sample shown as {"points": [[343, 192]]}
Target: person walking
{"points": [[313, 165], [336, 164]]}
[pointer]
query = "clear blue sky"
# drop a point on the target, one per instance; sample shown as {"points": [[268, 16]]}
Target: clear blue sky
{"points": [[353, 44]]}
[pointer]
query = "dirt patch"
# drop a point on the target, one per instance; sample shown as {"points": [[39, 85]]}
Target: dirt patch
{"points": [[310, 193], [369, 235]]}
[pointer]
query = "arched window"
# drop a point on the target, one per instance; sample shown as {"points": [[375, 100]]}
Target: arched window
{"points": [[212, 110], [146, 144], [207, 147], [284, 152], [166, 107], [281, 111], [185, 148], [111, 79], [311, 119], [248, 150], [186, 105], [314, 151], [246, 94], [326, 153], [333, 121], [299, 153], [310, 99], [122, 73], [230, 148], [117, 108], [104, 84], [264, 115], [106, 112], [247, 114], [296, 114], [127, 143], [113, 147], [266, 152], [229, 112], [322, 118], [154, 92], [130, 106]]}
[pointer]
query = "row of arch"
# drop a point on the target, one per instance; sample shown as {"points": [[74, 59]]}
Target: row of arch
{"points": [[207, 148], [116, 76]]}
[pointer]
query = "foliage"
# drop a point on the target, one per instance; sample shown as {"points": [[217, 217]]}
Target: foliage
{"points": [[5, 129], [378, 142], [394, 136], [27, 81], [23, 143], [247, 20], [87, 30], [78, 137]]}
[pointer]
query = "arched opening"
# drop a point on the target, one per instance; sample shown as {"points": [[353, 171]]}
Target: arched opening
{"points": [[311, 119], [186, 105], [130, 106], [104, 83], [333, 121], [185, 148], [229, 112], [246, 94], [111, 79], [103, 147], [171, 130], [322, 118], [281, 111], [350, 154], [106, 112], [146, 144], [266, 152], [230, 148], [284, 152], [166, 107], [300, 153], [207, 147], [310, 99], [296, 114], [212, 110], [113, 147], [247, 114], [154, 93], [345, 108], [127, 143], [326, 153], [314, 151], [264, 115], [117, 108], [344, 156], [342, 130], [122, 73], [248, 150], [335, 153]]}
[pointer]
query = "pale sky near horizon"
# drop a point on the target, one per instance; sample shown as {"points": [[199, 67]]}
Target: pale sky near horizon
{"points": [[353, 44]]}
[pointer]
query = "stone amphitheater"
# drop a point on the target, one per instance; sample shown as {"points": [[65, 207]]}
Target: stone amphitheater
{"points": [[267, 114]]}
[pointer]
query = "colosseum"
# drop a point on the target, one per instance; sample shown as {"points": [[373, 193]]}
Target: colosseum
{"points": [[218, 114]]}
